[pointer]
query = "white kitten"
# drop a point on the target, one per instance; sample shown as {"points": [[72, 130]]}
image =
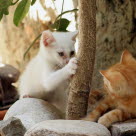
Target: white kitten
{"points": [[47, 74]]}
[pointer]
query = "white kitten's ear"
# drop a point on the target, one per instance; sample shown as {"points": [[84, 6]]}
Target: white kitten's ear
{"points": [[74, 35], [47, 38]]}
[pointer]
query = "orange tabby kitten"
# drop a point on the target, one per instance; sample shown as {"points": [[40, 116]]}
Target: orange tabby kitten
{"points": [[120, 84], [94, 98]]}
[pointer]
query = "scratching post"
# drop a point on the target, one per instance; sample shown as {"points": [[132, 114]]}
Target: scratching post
{"points": [[81, 82]]}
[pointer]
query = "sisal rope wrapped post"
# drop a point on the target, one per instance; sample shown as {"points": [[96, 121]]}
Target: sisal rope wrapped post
{"points": [[81, 82]]}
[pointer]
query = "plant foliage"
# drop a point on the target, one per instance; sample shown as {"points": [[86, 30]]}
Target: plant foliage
{"points": [[33, 2], [60, 23], [21, 11], [4, 6]]}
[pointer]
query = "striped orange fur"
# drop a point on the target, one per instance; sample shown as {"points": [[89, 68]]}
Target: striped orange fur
{"points": [[120, 84]]}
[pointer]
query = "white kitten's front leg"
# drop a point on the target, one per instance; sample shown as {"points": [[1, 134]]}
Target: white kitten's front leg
{"points": [[58, 77]]}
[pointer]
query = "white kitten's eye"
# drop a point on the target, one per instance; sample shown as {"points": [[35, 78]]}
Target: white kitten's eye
{"points": [[61, 54], [72, 53]]}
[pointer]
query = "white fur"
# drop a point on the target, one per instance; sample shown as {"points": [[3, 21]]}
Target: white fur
{"points": [[42, 78]]}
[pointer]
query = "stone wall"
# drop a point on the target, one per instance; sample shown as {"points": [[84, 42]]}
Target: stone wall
{"points": [[116, 31]]}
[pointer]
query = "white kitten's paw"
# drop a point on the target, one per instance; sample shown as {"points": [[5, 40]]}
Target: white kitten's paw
{"points": [[25, 96], [72, 66]]}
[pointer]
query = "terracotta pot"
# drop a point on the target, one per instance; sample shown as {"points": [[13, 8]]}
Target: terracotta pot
{"points": [[2, 114]]}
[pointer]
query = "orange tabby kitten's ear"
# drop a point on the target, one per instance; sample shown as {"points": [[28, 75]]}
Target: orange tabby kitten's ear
{"points": [[127, 58], [47, 38], [104, 73]]}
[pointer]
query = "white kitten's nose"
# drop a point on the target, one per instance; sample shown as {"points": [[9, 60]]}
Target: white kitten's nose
{"points": [[67, 60]]}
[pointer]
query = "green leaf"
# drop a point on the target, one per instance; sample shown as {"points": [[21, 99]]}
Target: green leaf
{"points": [[4, 5], [1, 15], [21, 11], [6, 12], [61, 24], [33, 2]]}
